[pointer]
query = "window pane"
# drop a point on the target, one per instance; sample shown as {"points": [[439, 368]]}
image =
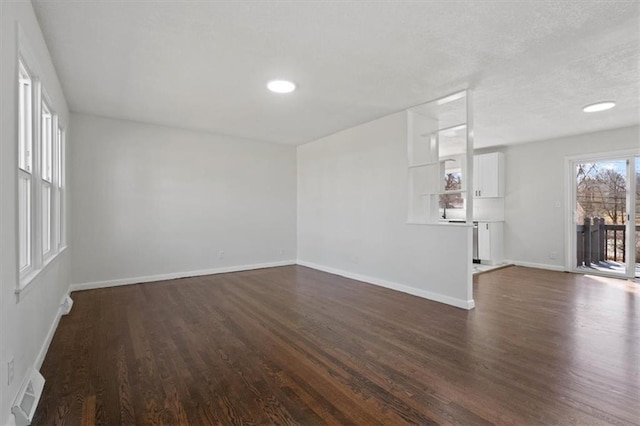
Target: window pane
{"points": [[24, 219], [61, 192], [59, 157], [46, 218], [61, 218], [24, 120], [56, 223], [46, 150]]}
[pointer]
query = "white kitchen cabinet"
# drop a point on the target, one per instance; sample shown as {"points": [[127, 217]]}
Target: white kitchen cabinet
{"points": [[490, 242], [488, 175]]}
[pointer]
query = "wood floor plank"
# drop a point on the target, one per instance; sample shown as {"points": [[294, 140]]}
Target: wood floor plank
{"points": [[89, 411], [292, 345]]}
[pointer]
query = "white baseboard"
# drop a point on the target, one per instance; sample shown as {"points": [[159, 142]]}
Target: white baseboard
{"points": [[176, 275], [460, 303], [536, 265], [437, 297], [11, 420], [49, 337]]}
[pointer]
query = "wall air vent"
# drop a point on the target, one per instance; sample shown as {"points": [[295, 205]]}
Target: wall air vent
{"points": [[66, 305], [25, 405]]}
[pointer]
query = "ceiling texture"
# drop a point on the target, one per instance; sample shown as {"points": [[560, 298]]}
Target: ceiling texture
{"points": [[203, 65]]}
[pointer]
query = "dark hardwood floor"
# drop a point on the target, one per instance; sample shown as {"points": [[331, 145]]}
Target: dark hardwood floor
{"points": [[292, 345]]}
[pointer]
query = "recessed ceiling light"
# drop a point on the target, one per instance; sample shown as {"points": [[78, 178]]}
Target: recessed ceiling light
{"points": [[281, 86], [600, 106]]}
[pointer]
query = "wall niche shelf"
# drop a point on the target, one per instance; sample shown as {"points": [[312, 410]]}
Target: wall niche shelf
{"points": [[440, 159]]}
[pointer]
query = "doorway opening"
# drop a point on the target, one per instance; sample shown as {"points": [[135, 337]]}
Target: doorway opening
{"points": [[605, 204]]}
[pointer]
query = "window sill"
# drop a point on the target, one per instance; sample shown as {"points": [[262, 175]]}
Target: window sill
{"points": [[441, 223], [28, 279]]}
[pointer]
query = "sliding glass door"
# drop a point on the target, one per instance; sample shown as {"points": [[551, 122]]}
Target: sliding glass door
{"points": [[636, 231], [606, 215]]}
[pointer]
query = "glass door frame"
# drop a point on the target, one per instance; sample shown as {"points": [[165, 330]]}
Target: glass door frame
{"points": [[570, 210]]}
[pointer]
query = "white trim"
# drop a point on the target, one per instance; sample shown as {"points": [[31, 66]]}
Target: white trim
{"points": [[437, 297], [445, 222], [459, 303], [546, 266], [11, 420], [40, 101], [570, 193], [52, 330], [604, 156], [175, 275], [569, 213], [27, 280]]}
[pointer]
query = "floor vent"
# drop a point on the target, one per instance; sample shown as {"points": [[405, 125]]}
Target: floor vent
{"points": [[25, 405], [66, 305]]}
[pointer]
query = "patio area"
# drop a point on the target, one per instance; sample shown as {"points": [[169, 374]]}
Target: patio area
{"points": [[603, 247]]}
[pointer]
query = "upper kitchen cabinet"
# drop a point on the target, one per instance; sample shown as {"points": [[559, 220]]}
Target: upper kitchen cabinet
{"points": [[488, 175], [440, 152]]}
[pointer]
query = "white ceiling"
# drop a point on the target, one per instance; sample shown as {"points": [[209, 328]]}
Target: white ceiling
{"points": [[203, 65]]}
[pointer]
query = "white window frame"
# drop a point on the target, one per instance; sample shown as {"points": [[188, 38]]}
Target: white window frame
{"points": [[60, 190], [39, 179], [47, 173], [569, 213], [25, 168]]}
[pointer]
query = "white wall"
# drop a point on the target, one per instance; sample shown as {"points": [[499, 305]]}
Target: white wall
{"points": [[535, 192], [152, 202], [25, 322], [352, 212]]}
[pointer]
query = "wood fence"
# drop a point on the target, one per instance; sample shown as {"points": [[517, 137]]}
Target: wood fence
{"points": [[599, 242]]}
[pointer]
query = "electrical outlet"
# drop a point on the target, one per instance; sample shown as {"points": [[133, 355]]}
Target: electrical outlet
{"points": [[10, 371], [281, 252], [221, 254], [553, 255]]}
